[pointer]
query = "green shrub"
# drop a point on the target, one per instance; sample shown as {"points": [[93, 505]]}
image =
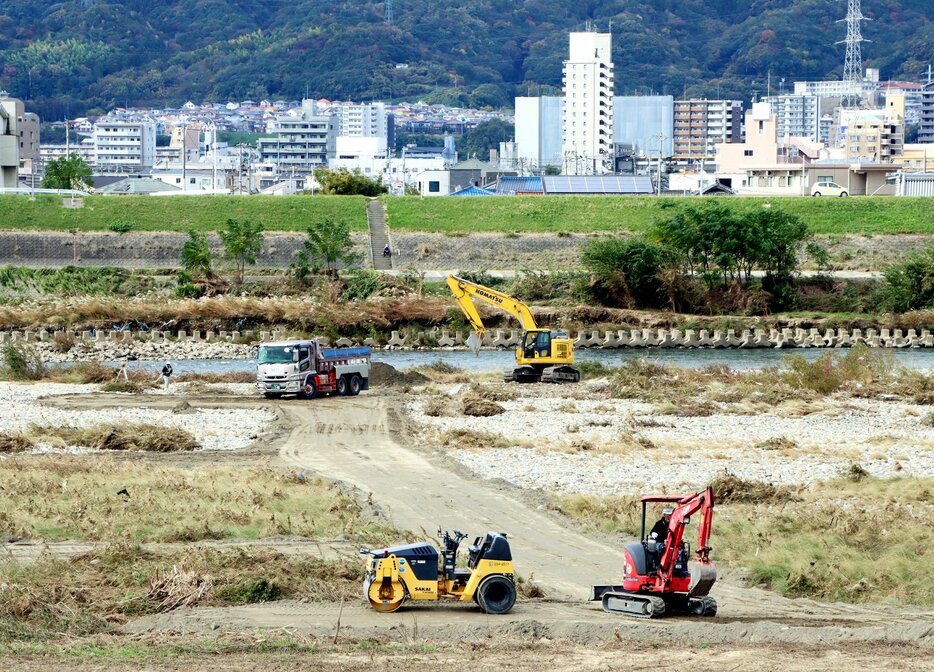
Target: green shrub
{"points": [[120, 227], [627, 271], [251, 592], [22, 362], [361, 284], [910, 284]]}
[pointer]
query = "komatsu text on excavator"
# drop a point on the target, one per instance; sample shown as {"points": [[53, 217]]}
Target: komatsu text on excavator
{"points": [[543, 355], [658, 579]]}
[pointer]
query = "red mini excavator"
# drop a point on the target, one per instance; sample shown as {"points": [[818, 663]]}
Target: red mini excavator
{"points": [[658, 579]]}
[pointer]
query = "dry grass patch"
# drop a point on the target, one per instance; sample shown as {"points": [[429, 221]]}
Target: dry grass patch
{"points": [[72, 497], [217, 378], [478, 407], [780, 443], [133, 438], [729, 488], [469, 439], [15, 443], [98, 590]]}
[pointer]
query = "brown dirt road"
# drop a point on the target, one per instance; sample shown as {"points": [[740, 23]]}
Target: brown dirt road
{"points": [[362, 442]]}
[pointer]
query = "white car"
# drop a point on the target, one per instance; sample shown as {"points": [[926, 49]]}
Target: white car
{"points": [[828, 189]]}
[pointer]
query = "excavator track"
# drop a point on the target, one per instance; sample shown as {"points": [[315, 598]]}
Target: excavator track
{"points": [[633, 604]]}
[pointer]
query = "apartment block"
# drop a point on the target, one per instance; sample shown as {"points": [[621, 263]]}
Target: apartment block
{"points": [[645, 123], [872, 135], [926, 134], [121, 146], [587, 138], [798, 116], [302, 143], [701, 124], [10, 113]]}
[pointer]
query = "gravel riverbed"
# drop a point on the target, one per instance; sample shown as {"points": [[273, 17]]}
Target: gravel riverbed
{"points": [[214, 429], [549, 440]]}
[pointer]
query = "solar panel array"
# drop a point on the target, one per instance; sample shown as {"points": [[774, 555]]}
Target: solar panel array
{"points": [[598, 184], [511, 184]]}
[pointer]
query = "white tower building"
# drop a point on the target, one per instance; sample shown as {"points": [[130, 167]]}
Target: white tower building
{"points": [[588, 105]]}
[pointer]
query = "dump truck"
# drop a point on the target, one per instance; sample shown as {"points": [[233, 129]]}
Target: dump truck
{"points": [[307, 369]]}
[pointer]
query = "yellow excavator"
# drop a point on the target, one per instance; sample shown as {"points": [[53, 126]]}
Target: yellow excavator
{"points": [[543, 355]]}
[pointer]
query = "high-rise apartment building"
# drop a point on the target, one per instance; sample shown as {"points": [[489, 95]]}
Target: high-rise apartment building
{"points": [[367, 120], [121, 146], [926, 133], [701, 124], [302, 143], [587, 142], [798, 116]]}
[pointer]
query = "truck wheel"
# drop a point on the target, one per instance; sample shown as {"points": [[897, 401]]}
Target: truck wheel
{"points": [[355, 385], [342, 386], [310, 390], [496, 594]]}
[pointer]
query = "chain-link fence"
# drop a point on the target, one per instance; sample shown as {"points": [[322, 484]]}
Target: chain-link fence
{"points": [[162, 250]]}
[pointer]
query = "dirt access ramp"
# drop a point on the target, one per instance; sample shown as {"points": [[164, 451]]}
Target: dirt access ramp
{"points": [[362, 442]]}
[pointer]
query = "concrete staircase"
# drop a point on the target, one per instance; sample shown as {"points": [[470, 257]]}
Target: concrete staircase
{"points": [[379, 235]]}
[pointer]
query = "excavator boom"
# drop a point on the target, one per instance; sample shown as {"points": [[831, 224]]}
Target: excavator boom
{"points": [[464, 291], [541, 355]]}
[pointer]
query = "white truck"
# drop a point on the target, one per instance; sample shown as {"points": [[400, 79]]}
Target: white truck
{"points": [[307, 369]]}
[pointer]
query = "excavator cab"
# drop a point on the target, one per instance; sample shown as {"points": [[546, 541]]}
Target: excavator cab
{"points": [[536, 344]]}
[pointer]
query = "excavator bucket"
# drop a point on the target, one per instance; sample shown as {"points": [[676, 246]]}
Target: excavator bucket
{"points": [[473, 342], [703, 576]]}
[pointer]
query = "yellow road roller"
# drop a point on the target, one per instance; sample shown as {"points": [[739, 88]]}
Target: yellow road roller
{"points": [[417, 572]]}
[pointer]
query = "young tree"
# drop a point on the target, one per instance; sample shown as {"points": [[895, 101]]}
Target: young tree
{"points": [[346, 183], [196, 254], [328, 243], [67, 172], [242, 242]]}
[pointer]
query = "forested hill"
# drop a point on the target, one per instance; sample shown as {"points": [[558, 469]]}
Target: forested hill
{"points": [[79, 55]]}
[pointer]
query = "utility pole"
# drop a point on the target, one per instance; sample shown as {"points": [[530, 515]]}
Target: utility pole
{"points": [[184, 157]]}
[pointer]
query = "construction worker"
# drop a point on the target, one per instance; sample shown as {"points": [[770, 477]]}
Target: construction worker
{"points": [[166, 375], [661, 529]]}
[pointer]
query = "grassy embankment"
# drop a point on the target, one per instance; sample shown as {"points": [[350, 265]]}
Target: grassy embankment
{"points": [[59, 498], [585, 214], [205, 213], [552, 214]]}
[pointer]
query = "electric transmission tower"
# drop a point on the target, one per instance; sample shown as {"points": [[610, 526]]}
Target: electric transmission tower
{"points": [[389, 16], [853, 61]]}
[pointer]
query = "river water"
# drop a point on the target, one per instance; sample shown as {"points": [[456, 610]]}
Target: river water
{"points": [[497, 360]]}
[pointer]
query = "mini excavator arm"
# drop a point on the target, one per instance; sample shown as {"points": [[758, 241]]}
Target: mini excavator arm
{"points": [[464, 292], [686, 507]]}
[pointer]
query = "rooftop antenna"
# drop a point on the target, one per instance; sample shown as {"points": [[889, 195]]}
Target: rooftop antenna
{"points": [[853, 60]]}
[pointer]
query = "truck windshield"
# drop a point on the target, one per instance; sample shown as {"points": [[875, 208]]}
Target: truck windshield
{"points": [[275, 355]]}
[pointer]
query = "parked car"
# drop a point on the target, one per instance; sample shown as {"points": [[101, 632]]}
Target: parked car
{"points": [[828, 189]]}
